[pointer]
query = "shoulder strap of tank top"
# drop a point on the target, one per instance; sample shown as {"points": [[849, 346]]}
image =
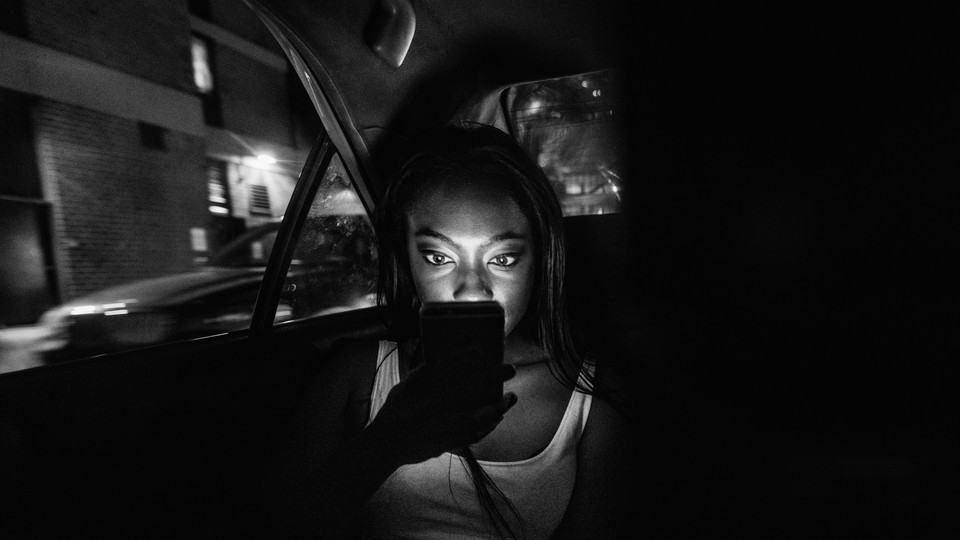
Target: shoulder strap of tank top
{"points": [[387, 376], [585, 400]]}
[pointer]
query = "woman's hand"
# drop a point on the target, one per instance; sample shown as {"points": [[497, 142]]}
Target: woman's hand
{"points": [[432, 411]]}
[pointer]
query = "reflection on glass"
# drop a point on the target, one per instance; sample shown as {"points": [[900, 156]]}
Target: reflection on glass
{"points": [[570, 126], [334, 264]]}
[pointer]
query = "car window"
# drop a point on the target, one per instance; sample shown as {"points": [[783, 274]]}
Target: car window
{"points": [[147, 163], [251, 250], [334, 266], [571, 127]]}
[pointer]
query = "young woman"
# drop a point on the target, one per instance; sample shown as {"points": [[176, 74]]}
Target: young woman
{"points": [[391, 446]]}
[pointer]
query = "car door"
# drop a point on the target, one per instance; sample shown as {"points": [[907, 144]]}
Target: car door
{"points": [[165, 437]]}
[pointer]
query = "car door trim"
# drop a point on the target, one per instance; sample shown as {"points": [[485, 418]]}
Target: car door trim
{"points": [[288, 235]]}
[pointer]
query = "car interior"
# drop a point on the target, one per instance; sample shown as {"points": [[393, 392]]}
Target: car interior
{"points": [[771, 288]]}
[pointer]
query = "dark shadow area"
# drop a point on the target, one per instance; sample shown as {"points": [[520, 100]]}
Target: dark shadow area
{"points": [[791, 213], [169, 443]]}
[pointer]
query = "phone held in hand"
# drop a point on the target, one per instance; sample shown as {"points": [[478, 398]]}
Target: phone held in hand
{"points": [[467, 335]]}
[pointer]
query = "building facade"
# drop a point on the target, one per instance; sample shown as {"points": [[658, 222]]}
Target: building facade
{"points": [[142, 135]]}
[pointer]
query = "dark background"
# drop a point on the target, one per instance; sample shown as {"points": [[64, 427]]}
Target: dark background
{"points": [[791, 222]]}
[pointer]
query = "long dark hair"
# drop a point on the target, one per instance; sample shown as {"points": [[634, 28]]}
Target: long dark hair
{"points": [[482, 154]]}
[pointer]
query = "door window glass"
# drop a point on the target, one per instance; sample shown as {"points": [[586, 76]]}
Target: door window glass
{"points": [[571, 127], [334, 266], [151, 156]]}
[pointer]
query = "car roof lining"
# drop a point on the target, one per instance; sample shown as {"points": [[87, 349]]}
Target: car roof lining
{"points": [[463, 53]]}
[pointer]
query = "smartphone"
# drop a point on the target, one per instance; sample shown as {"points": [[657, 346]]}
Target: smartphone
{"points": [[467, 334]]}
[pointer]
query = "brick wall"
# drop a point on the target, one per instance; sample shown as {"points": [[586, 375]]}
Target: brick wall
{"points": [[253, 97], [145, 38], [121, 212]]}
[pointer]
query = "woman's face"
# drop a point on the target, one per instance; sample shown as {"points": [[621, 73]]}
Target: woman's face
{"points": [[470, 242]]}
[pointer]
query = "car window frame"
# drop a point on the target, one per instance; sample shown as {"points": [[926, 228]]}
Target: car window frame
{"points": [[271, 285], [334, 139]]}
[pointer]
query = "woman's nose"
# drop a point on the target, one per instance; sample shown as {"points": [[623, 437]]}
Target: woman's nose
{"points": [[472, 284]]}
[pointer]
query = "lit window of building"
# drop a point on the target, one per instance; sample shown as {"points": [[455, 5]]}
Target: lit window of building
{"points": [[202, 74]]}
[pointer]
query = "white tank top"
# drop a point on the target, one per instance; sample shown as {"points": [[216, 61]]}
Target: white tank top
{"points": [[437, 499]]}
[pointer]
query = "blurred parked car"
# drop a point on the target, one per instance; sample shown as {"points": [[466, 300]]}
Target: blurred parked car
{"points": [[219, 296]]}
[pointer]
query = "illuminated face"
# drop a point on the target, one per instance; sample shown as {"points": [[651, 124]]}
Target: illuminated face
{"points": [[470, 242]]}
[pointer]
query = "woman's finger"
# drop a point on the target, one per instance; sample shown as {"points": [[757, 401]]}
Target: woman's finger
{"points": [[494, 411], [486, 430], [487, 425]]}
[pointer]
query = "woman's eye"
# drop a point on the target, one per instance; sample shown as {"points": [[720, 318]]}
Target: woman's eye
{"points": [[436, 259], [504, 260]]}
